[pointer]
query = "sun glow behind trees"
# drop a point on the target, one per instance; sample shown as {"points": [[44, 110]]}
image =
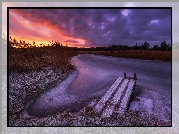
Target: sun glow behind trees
{"points": [[23, 44]]}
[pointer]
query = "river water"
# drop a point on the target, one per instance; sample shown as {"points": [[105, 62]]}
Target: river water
{"points": [[95, 74]]}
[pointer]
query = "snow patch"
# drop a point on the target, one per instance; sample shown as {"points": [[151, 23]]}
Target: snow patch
{"points": [[143, 104]]}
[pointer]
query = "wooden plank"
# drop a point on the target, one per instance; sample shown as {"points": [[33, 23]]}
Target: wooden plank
{"points": [[92, 103], [108, 111], [99, 106], [116, 98], [120, 92], [126, 98]]}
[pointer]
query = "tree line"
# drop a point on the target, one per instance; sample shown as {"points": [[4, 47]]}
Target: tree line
{"points": [[145, 46]]}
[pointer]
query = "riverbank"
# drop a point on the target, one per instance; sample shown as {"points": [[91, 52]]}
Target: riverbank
{"points": [[32, 72], [23, 88], [89, 65], [136, 54]]}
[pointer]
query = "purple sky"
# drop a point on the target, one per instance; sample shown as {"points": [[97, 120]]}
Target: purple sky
{"points": [[92, 27]]}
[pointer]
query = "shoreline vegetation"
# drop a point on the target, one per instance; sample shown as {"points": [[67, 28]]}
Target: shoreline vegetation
{"points": [[135, 54], [32, 71]]}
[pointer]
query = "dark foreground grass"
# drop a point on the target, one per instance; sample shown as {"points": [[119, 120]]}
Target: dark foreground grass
{"points": [[35, 59], [138, 54]]}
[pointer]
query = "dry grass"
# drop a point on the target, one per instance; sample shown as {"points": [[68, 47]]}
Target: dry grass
{"points": [[147, 54], [106, 53], [139, 54], [35, 59], [33, 71]]}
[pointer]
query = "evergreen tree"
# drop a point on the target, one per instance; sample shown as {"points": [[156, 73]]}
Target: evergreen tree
{"points": [[163, 46], [146, 45]]}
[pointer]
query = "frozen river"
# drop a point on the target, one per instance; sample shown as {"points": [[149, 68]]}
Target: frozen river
{"points": [[95, 74]]}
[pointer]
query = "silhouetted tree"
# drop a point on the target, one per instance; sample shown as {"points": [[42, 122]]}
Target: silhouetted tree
{"points": [[20, 42], [168, 47], [146, 45], [14, 40], [163, 46], [10, 38], [33, 42], [135, 46], [155, 47]]}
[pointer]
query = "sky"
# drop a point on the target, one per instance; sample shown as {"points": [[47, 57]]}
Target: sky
{"points": [[91, 27]]}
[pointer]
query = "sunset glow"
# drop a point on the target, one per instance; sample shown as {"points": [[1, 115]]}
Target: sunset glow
{"points": [[90, 27], [24, 27]]}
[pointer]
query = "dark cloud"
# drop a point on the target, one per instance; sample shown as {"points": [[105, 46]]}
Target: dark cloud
{"points": [[73, 41], [107, 26]]}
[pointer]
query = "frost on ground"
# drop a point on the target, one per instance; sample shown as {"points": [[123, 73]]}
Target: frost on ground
{"points": [[25, 87], [88, 117], [125, 100], [144, 108], [55, 99], [108, 94], [94, 77], [118, 95]]}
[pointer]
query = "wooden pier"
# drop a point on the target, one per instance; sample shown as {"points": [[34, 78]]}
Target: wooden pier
{"points": [[117, 97]]}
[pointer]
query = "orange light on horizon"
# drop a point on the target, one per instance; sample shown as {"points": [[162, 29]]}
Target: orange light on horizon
{"points": [[41, 31], [45, 43]]}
